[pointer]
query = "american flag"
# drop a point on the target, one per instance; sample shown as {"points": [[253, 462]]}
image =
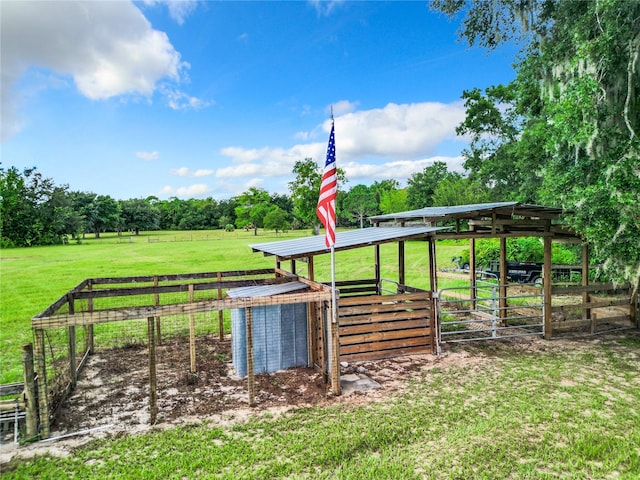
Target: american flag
{"points": [[326, 210]]}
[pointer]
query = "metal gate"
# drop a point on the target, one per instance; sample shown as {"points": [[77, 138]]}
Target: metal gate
{"points": [[462, 318]]}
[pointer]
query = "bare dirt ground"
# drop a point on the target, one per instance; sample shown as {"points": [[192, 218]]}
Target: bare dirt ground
{"points": [[112, 395]]}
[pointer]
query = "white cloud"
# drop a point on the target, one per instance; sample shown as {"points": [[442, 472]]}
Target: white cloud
{"points": [[400, 170], [391, 142], [179, 100], [186, 172], [148, 156], [191, 191], [179, 10], [108, 48], [267, 162], [342, 107], [325, 7], [406, 130]]}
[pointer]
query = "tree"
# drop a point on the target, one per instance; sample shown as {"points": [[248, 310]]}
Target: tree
{"points": [[253, 206], [276, 219], [577, 89], [104, 215], [459, 190], [305, 189], [421, 185], [360, 203], [139, 214], [33, 210], [392, 201]]}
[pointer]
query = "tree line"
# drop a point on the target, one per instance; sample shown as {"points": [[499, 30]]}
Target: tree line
{"points": [[36, 211]]}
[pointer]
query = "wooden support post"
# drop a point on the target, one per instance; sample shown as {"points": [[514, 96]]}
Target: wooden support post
{"points": [[250, 376], [472, 271], [433, 272], [90, 337], [220, 312], [43, 399], [192, 334], [546, 288], [157, 301], [376, 268], [401, 274], [153, 383], [335, 359], [586, 312], [310, 269], [73, 363], [30, 391], [433, 285], [503, 278], [293, 266]]}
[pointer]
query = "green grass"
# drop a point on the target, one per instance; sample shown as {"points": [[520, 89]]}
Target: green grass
{"points": [[568, 411], [33, 278]]}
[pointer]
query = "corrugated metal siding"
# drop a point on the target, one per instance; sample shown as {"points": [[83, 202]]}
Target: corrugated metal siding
{"points": [[280, 338]]}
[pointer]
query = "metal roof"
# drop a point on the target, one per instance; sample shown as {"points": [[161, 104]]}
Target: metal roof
{"points": [[471, 211], [310, 246], [266, 290]]}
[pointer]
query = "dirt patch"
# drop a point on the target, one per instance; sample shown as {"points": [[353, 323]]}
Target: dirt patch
{"points": [[112, 395]]}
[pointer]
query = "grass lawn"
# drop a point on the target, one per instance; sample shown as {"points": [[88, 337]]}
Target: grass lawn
{"points": [[33, 278], [554, 409]]}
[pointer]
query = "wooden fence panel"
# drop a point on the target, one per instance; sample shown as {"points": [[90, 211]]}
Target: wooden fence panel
{"points": [[379, 326]]}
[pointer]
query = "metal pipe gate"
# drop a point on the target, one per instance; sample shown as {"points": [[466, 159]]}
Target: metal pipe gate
{"points": [[465, 319]]}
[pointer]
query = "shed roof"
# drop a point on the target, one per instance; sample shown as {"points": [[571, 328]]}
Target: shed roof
{"points": [[266, 290], [473, 211], [310, 246]]}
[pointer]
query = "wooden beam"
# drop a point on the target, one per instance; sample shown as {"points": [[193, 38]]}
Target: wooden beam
{"points": [[503, 278], [401, 272], [586, 314], [192, 335], [31, 409], [546, 289], [153, 383], [376, 267], [105, 316]]}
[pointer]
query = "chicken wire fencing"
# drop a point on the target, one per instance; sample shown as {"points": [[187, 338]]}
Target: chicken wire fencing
{"points": [[119, 316]]}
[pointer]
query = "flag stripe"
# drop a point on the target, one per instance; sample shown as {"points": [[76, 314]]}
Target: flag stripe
{"points": [[326, 210]]}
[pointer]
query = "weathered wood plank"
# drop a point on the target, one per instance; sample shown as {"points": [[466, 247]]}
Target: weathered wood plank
{"points": [[373, 337], [384, 307], [594, 287], [379, 299], [379, 354], [133, 313], [180, 277], [179, 288], [382, 345], [593, 305], [589, 322], [385, 317], [379, 327], [11, 389]]}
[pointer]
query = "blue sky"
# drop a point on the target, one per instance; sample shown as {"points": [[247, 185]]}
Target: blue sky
{"points": [[206, 99]]}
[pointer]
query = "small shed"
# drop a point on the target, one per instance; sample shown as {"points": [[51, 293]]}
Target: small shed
{"points": [[280, 331]]}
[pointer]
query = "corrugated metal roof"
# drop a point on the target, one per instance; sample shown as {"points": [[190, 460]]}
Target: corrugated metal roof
{"points": [[310, 246], [471, 211], [266, 290]]}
